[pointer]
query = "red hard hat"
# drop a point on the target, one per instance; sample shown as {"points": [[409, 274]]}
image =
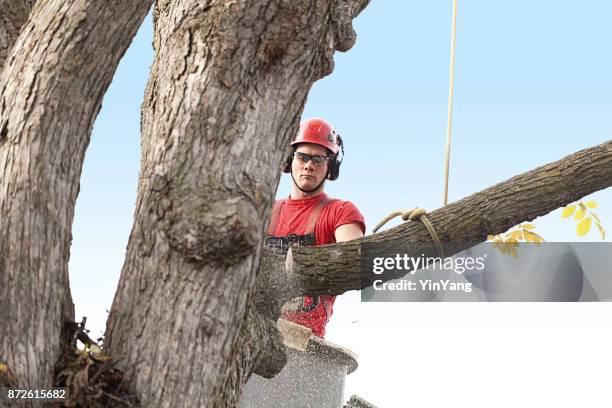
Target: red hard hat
{"points": [[318, 131]]}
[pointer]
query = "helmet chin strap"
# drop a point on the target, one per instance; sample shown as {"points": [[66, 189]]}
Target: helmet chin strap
{"points": [[304, 190]]}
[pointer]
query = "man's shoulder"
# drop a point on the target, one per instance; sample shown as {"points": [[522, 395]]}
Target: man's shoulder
{"points": [[344, 212], [336, 203], [337, 212]]}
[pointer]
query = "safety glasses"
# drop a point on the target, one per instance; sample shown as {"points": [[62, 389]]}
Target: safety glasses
{"points": [[317, 159]]}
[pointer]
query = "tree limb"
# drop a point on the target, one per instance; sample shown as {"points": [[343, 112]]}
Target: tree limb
{"points": [[335, 269], [223, 101], [51, 91]]}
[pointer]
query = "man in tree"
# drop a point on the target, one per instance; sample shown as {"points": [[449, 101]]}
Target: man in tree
{"points": [[194, 246], [309, 217]]}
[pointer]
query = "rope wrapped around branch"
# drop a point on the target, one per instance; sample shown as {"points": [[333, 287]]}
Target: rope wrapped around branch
{"points": [[415, 214]]}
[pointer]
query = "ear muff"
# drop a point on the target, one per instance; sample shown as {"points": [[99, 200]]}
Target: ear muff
{"points": [[287, 168], [335, 162], [334, 168]]}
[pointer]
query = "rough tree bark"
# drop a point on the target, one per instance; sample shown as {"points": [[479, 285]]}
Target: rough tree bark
{"points": [[51, 90], [226, 91], [13, 17]]}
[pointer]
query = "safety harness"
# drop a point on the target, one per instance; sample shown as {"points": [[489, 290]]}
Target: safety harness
{"points": [[308, 239]]}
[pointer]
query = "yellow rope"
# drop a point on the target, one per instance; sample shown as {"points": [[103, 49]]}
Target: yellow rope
{"points": [[411, 215], [419, 213], [450, 104]]}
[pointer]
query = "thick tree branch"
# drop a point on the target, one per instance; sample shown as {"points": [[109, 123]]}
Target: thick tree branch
{"points": [[335, 269], [226, 91], [51, 90]]}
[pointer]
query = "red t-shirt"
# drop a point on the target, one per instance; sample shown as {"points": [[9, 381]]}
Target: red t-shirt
{"points": [[293, 219]]}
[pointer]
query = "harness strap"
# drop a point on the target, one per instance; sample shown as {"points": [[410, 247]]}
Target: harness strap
{"points": [[278, 205], [312, 220], [314, 215]]}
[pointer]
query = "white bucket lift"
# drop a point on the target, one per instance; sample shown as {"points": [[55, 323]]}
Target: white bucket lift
{"points": [[312, 378]]}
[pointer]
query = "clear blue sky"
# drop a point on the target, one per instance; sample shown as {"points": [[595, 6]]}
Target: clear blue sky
{"points": [[532, 84]]}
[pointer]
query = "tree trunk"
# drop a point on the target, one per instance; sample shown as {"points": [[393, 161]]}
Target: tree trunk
{"points": [[51, 90], [226, 91]]}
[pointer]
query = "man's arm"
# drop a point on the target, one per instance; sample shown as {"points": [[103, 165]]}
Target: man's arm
{"points": [[348, 232]]}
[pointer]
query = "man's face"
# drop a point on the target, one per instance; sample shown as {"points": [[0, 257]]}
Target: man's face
{"points": [[308, 175]]}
